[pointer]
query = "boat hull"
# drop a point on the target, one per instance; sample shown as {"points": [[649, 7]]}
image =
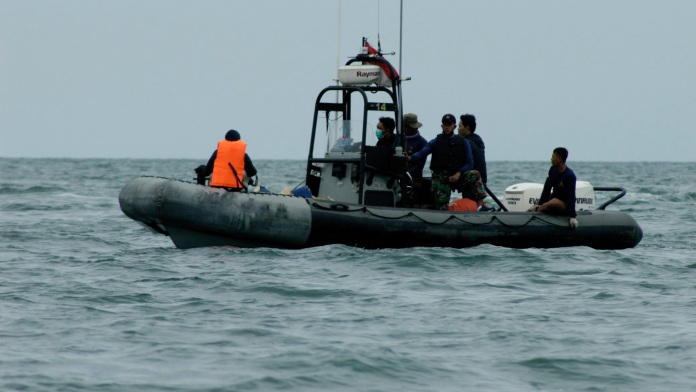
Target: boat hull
{"points": [[196, 215]]}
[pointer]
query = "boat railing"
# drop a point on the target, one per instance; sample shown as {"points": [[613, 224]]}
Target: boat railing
{"points": [[619, 189], [335, 160]]}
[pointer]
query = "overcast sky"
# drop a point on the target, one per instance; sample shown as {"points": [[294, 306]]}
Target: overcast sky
{"points": [[610, 80]]}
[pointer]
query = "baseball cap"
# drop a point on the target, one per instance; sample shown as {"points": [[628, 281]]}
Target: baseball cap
{"points": [[448, 119]]}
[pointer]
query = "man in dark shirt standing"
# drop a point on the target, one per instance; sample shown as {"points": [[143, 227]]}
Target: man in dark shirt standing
{"points": [[451, 160], [414, 143], [467, 128]]}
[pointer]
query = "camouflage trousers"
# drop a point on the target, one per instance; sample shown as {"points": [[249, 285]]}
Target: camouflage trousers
{"points": [[469, 184]]}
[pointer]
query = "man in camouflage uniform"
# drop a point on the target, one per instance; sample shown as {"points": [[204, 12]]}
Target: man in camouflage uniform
{"points": [[451, 164]]}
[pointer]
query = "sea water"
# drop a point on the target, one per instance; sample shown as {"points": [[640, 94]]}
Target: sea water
{"points": [[93, 301]]}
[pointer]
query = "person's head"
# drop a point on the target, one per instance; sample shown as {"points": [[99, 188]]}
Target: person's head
{"points": [[448, 124], [232, 135], [467, 124], [386, 125], [411, 123], [559, 155]]}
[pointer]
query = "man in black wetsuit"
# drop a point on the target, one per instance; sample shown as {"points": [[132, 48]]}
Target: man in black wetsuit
{"points": [[558, 196]]}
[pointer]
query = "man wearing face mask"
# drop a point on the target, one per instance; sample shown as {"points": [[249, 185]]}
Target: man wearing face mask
{"points": [[385, 132], [451, 160]]}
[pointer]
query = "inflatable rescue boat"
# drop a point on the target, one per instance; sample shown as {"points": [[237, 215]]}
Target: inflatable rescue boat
{"points": [[361, 195]]}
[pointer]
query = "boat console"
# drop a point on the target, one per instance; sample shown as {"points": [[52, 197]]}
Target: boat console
{"points": [[344, 164]]}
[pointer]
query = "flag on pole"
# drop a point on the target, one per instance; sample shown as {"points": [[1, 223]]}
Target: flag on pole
{"points": [[385, 68]]}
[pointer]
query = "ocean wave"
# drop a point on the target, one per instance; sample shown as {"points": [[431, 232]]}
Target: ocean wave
{"points": [[29, 190]]}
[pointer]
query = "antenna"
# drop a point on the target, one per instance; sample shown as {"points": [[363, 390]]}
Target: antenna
{"points": [[338, 36], [400, 103], [338, 64], [401, 33]]}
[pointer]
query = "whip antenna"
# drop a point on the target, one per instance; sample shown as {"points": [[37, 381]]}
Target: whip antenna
{"points": [[401, 33], [379, 45]]}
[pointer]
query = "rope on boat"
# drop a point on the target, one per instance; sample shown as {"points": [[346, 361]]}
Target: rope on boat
{"points": [[458, 217], [360, 209]]}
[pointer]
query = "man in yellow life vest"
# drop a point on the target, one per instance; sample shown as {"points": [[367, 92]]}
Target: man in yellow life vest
{"points": [[229, 164]]}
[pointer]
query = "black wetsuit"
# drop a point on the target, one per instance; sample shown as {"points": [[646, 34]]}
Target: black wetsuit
{"points": [[563, 186]]}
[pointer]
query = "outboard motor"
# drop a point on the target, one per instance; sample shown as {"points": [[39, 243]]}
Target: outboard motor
{"points": [[520, 197]]}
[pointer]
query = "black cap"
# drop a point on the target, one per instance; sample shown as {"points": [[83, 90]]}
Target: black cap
{"points": [[448, 119], [232, 135]]}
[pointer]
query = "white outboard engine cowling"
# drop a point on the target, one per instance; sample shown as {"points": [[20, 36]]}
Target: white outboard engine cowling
{"points": [[520, 197]]}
